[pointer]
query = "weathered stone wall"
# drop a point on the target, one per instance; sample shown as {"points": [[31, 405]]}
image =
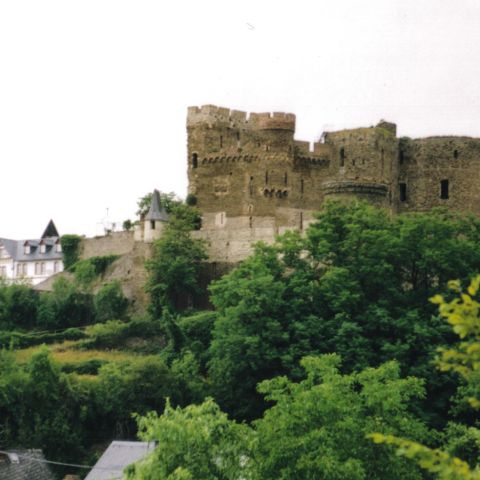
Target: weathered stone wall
{"points": [[253, 180], [425, 163], [116, 243]]}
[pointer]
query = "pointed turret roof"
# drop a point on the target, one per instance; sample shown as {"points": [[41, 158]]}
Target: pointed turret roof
{"points": [[157, 212], [50, 231]]}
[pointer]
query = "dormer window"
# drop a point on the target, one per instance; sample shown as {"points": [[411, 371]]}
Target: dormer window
{"points": [[43, 248], [26, 249]]}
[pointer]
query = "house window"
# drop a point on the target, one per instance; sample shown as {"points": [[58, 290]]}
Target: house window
{"points": [[43, 248], [3, 271], [42, 268], [19, 269], [24, 269], [444, 190], [56, 267], [27, 249], [37, 268], [403, 192]]}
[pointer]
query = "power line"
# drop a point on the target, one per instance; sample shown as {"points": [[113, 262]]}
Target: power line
{"points": [[42, 460]]}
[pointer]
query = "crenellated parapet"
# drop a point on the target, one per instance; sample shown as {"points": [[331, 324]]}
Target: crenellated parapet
{"points": [[214, 116]]}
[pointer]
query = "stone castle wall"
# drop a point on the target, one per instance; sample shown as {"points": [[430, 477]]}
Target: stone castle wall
{"points": [[116, 243], [253, 179]]}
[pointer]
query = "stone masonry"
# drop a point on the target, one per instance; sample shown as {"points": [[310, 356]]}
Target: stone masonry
{"points": [[253, 180]]}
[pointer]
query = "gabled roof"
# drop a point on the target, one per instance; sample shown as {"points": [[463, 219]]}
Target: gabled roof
{"points": [[51, 230], [117, 457], [24, 465], [16, 250], [157, 212]]}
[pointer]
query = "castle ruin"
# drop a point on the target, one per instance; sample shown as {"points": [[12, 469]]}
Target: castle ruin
{"points": [[253, 180]]}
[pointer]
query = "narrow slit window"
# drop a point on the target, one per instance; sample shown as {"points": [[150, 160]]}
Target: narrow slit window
{"points": [[455, 154], [266, 178], [401, 157], [195, 160], [403, 192], [342, 157], [302, 185], [444, 193], [301, 220], [221, 141], [285, 179]]}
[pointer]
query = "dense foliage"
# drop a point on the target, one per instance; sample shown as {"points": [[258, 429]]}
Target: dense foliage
{"points": [[313, 343], [357, 284], [70, 249]]}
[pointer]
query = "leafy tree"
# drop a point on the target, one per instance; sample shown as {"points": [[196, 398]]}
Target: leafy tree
{"points": [[317, 427], [357, 284], [175, 267], [18, 306], [110, 302], [168, 200], [198, 442], [463, 314]]}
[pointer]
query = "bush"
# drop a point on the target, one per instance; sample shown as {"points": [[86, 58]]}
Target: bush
{"points": [[110, 302]]}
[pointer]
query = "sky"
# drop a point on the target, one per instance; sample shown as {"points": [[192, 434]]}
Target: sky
{"points": [[94, 93]]}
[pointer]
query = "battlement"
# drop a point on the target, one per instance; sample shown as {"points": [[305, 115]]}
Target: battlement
{"points": [[212, 115]]}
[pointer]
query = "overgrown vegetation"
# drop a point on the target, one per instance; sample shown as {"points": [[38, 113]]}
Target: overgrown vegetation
{"points": [[70, 249], [313, 344]]}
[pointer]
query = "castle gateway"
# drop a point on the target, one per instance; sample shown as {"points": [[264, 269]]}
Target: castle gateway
{"points": [[253, 180]]}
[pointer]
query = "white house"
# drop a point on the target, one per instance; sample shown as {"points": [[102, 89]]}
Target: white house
{"points": [[31, 260]]}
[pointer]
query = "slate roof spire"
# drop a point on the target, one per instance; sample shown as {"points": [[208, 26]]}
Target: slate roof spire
{"points": [[157, 211], [50, 231]]}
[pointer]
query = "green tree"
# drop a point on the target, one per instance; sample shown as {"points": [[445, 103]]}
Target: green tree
{"points": [[195, 443], [110, 302], [463, 314], [175, 267], [317, 428], [357, 284]]}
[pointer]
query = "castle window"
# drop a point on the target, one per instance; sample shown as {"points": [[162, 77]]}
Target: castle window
{"points": [[455, 154], [301, 185], [152, 224], [250, 222], [266, 177], [401, 157], [285, 178], [342, 157], [301, 220], [444, 190], [403, 192], [221, 141], [195, 160], [353, 162]]}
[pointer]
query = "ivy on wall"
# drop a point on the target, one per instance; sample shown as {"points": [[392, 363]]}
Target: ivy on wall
{"points": [[70, 249]]}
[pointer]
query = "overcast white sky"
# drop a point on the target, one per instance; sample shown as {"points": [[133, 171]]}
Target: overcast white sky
{"points": [[93, 93]]}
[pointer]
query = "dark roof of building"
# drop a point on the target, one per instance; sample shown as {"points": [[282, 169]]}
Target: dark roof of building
{"points": [[157, 212], [117, 457], [16, 248], [24, 465], [50, 231]]}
